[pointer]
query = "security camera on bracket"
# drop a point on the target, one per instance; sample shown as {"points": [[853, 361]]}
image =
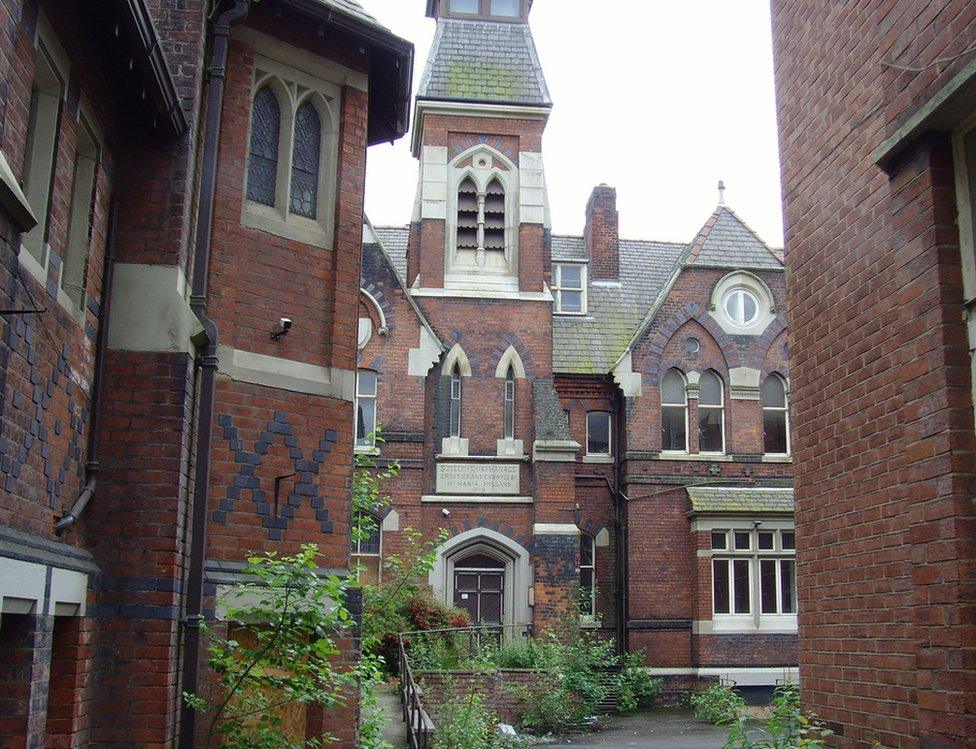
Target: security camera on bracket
{"points": [[282, 330]]}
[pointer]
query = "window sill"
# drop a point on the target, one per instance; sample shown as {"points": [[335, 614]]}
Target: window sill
{"points": [[706, 457], [746, 623], [366, 450], [39, 271], [560, 313], [777, 458], [604, 459], [589, 621], [267, 219]]}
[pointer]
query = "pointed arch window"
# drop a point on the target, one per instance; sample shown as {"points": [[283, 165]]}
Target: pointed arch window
{"points": [[262, 170], [510, 403], [711, 414], [481, 219], [776, 416], [292, 155], [456, 395], [305, 162], [674, 412]]}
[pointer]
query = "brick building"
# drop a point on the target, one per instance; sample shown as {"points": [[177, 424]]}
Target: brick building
{"points": [[876, 108], [595, 421], [171, 173]]}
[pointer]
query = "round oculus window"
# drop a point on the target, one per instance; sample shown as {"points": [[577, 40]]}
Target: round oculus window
{"points": [[741, 307]]}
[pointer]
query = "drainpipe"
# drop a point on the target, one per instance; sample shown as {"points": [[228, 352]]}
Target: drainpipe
{"points": [[619, 523], [92, 467], [207, 362]]}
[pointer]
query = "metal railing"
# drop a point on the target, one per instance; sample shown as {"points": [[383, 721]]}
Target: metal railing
{"points": [[420, 727]]}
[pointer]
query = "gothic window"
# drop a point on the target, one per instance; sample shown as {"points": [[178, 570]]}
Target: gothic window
{"points": [[481, 219], [776, 417], [467, 226], [587, 595], [510, 404], [456, 401], [305, 162], [711, 414], [674, 412], [262, 171], [366, 382]]}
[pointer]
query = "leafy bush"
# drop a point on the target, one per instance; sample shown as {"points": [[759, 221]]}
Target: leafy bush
{"points": [[719, 704], [786, 728], [466, 723], [279, 651], [636, 686]]}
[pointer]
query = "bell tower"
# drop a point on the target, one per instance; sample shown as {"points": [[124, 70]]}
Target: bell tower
{"points": [[482, 106]]}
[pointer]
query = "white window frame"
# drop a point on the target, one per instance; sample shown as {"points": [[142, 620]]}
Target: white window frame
{"points": [[785, 410], [370, 444], [687, 410], [293, 88], [591, 614], [721, 410], [457, 402], [966, 204], [509, 416], [755, 620], [609, 452], [356, 550], [558, 288]]}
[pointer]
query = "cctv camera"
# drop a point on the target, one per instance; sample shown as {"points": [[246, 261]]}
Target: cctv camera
{"points": [[446, 512], [286, 323]]}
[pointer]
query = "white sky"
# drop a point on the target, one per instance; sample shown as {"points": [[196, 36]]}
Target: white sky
{"points": [[658, 99]]}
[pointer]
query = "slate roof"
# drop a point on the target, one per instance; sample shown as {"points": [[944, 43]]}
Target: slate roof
{"points": [[354, 9], [714, 499], [591, 344], [726, 241], [616, 313], [394, 239], [484, 61]]}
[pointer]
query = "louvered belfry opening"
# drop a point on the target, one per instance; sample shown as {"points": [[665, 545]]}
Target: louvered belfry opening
{"points": [[467, 227], [481, 219], [495, 216]]}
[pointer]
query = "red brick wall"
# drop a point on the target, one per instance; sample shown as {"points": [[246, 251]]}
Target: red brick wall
{"points": [[602, 234], [881, 388]]}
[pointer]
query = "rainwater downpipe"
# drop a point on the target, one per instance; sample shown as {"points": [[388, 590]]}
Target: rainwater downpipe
{"points": [[233, 12], [92, 466]]}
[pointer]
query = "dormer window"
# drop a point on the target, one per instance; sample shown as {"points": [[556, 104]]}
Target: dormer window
{"points": [[488, 9], [569, 288]]}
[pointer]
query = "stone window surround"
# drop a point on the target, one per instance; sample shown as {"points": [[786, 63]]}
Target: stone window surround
{"points": [[743, 280], [966, 200], [482, 176], [601, 457], [293, 88], [557, 287], [34, 254], [755, 621]]}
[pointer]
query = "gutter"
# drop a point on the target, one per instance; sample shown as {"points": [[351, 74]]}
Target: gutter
{"points": [[207, 363], [93, 467]]}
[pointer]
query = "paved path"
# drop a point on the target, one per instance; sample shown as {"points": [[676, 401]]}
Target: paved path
{"points": [[659, 729], [394, 729]]}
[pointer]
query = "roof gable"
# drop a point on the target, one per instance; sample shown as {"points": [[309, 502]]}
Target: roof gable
{"points": [[726, 241]]}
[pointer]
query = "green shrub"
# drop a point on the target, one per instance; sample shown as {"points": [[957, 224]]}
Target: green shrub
{"points": [[719, 704], [466, 723], [520, 653], [786, 728], [636, 686]]}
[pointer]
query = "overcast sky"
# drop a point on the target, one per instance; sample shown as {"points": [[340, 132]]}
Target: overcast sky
{"points": [[660, 100]]}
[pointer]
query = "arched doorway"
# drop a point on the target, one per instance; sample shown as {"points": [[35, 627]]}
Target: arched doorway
{"points": [[487, 574], [479, 588]]}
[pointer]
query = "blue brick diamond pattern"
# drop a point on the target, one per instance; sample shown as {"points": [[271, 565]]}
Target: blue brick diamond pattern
{"points": [[21, 338], [306, 471]]}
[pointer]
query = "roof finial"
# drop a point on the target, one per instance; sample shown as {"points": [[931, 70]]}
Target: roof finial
{"points": [[721, 192]]}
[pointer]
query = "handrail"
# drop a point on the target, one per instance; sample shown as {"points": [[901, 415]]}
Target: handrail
{"points": [[420, 727]]}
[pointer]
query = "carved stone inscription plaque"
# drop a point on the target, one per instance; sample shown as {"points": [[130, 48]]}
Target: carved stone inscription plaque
{"points": [[477, 478]]}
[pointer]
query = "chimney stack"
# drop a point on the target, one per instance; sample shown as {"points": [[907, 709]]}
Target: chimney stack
{"points": [[602, 234]]}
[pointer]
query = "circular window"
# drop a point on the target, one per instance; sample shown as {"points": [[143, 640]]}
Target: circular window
{"points": [[741, 307], [692, 346]]}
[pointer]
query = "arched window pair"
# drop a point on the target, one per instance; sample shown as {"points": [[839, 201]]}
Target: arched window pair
{"points": [[481, 218], [456, 400], [300, 188], [711, 414]]}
